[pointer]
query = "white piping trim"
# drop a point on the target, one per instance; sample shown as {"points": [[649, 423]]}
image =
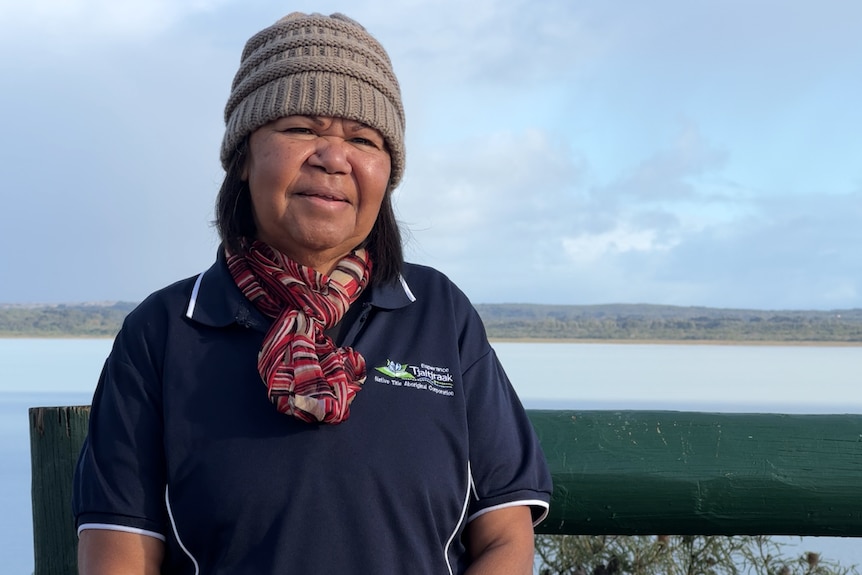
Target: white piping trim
{"points": [[526, 502], [124, 528], [194, 299], [473, 488], [460, 519], [406, 288], [177, 534]]}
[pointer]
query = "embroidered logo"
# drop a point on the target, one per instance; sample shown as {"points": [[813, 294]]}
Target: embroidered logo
{"points": [[426, 377]]}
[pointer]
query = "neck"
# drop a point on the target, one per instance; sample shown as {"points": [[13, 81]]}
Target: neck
{"points": [[323, 262]]}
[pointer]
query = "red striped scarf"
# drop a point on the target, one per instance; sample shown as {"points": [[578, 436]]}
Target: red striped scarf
{"points": [[306, 375]]}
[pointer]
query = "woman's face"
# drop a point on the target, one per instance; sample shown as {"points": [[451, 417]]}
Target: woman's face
{"points": [[316, 186]]}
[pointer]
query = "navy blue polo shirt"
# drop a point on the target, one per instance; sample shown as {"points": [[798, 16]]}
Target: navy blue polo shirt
{"points": [[184, 444]]}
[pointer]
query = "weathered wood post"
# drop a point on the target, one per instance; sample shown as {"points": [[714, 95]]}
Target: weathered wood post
{"points": [[56, 435]]}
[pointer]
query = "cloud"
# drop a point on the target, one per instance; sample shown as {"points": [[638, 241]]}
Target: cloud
{"points": [[650, 207], [520, 204], [494, 42], [787, 252], [791, 252], [559, 152], [591, 248], [113, 167], [671, 230], [501, 197], [671, 173], [60, 25]]}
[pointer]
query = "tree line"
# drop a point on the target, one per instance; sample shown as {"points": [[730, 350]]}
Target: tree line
{"points": [[74, 320], [638, 322], [617, 322]]}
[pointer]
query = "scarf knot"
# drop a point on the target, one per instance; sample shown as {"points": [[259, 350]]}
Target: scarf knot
{"points": [[306, 375]]}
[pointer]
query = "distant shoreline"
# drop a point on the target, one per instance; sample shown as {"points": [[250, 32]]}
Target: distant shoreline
{"points": [[611, 324], [54, 336], [567, 340], [678, 342]]}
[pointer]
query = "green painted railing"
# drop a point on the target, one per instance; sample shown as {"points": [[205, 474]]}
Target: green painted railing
{"points": [[683, 473], [615, 472]]}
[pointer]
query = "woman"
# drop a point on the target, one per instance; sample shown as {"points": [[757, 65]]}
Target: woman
{"points": [[386, 437]]}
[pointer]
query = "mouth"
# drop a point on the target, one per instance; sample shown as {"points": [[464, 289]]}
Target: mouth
{"points": [[325, 196]]}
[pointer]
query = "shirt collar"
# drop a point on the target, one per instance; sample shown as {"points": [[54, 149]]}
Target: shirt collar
{"points": [[393, 295], [216, 301]]}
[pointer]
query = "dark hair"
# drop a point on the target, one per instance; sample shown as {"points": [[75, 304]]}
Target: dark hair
{"points": [[235, 222]]}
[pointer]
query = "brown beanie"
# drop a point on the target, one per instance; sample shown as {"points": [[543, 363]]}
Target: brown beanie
{"points": [[319, 66]]}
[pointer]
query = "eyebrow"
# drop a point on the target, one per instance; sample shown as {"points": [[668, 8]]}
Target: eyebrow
{"points": [[354, 126]]}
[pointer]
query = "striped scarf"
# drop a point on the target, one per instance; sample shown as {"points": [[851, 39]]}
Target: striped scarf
{"points": [[306, 375]]}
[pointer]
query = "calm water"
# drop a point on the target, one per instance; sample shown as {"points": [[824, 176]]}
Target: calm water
{"points": [[36, 372], [731, 378]]}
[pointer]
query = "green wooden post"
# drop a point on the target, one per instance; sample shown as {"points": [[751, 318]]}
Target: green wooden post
{"points": [[681, 473], [56, 435]]}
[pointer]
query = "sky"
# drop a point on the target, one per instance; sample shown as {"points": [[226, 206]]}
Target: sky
{"points": [[558, 151]]}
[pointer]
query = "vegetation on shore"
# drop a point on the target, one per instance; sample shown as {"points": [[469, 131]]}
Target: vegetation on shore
{"points": [[678, 555], [612, 322], [643, 322], [64, 320]]}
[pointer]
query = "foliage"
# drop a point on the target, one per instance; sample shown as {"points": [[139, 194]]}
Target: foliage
{"points": [[91, 320], [669, 323], [675, 555], [618, 322]]}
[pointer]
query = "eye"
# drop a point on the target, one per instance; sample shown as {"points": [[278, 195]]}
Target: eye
{"points": [[297, 130], [365, 142]]}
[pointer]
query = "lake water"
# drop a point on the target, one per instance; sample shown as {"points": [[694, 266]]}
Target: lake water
{"points": [[778, 379]]}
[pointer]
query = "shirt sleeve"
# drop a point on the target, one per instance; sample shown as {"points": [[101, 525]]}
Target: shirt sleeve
{"points": [[120, 480], [508, 467]]}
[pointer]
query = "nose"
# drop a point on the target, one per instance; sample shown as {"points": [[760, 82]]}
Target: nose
{"points": [[331, 155]]}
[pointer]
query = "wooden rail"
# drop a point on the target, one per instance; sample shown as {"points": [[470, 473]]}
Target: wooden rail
{"points": [[615, 472], [684, 473]]}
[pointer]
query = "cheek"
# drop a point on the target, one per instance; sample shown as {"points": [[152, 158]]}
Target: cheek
{"points": [[259, 174], [268, 178], [372, 199], [269, 161], [264, 203], [377, 181]]}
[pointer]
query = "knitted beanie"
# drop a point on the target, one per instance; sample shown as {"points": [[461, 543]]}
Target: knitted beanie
{"points": [[319, 66]]}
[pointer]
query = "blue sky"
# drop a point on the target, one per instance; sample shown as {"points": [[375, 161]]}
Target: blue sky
{"points": [[559, 151]]}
